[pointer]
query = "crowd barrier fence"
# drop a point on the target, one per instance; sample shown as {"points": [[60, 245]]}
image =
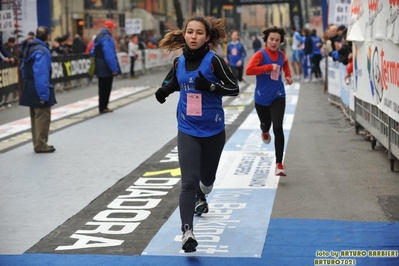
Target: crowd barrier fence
{"points": [[381, 126], [72, 71]]}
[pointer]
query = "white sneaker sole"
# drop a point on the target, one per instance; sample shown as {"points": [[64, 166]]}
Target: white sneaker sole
{"points": [[280, 173], [206, 190], [266, 141]]}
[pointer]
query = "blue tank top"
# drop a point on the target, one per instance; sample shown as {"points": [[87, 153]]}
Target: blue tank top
{"points": [[267, 90], [211, 122]]}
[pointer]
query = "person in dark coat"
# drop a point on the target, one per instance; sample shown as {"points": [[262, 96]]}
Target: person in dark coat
{"points": [[307, 51], [37, 92], [22, 45], [107, 65], [78, 46], [10, 48]]}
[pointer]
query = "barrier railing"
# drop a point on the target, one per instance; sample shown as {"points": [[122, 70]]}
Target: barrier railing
{"points": [[72, 71], [9, 77], [381, 126]]}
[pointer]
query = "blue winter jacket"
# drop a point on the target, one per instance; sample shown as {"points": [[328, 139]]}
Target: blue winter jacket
{"points": [[36, 76], [105, 53]]}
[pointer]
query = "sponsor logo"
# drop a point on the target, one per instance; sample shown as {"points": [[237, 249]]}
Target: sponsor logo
{"points": [[382, 72]]}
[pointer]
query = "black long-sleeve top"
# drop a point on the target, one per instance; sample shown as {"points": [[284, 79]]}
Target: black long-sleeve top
{"points": [[228, 87]]}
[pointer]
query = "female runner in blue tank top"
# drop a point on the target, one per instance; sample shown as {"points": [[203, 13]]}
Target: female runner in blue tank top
{"points": [[269, 92], [203, 78]]}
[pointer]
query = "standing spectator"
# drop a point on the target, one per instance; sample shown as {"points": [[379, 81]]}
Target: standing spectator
{"points": [[330, 44], [283, 45], [123, 44], [307, 50], [316, 57], [203, 78], [37, 92], [269, 91], [107, 66], [235, 55], [22, 45], [66, 44], [133, 54], [256, 44], [10, 48], [4, 55], [345, 56], [296, 58], [56, 48], [340, 30], [78, 46]]}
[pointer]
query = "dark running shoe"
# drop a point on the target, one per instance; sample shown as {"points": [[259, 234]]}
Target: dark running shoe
{"points": [[189, 243], [201, 206]]}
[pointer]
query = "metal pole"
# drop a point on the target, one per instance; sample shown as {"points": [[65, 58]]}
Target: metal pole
{"points": [[67, 16]]}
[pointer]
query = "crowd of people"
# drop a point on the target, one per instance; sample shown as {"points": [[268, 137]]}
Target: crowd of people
{"points": [[308, 49]]}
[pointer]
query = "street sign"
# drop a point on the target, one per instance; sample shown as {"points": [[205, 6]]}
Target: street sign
{"points": [[6, 20], [133, 26]]}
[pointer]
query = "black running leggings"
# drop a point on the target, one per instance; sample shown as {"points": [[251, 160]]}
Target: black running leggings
{"points": [[316, 65], [199, 159], [273, 114]]}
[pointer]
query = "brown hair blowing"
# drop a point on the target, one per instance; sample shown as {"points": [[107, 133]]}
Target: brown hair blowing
{"points": [[215, 29], [266, 32]]}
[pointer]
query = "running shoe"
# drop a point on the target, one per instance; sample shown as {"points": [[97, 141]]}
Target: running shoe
{"points": [[266, 137], [280, 170], [189, 243], [201, 206], [205, 189]]}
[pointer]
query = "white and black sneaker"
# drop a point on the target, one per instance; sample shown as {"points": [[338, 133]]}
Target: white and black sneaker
{"points": [[189, 243], [201, 206]]}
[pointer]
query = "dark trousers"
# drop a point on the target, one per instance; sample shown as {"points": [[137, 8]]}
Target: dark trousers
{"points": [[237, 72], [40, 119], [132, 60], [273, 114], [316, 65], [199, 160], [104, 91]]}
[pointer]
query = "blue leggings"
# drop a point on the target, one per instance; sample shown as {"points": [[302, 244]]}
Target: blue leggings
{"points": [[307, 66], [199, 160]]}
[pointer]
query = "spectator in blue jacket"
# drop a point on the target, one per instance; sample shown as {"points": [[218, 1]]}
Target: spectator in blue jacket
{"points": [[316, 58], [37, 92], [107, 65], [307, 51], [236, 54]]}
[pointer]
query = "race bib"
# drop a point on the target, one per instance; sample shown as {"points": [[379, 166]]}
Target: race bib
{"points": [[275, 73], [194, 104], [234, 51]]}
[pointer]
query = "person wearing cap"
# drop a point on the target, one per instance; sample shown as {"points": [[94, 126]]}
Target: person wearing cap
{"points": [[106, 66]]}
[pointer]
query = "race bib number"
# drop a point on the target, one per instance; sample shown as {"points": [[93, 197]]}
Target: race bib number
{"points": [[234, 51], [275, 73], [194, 104]]}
